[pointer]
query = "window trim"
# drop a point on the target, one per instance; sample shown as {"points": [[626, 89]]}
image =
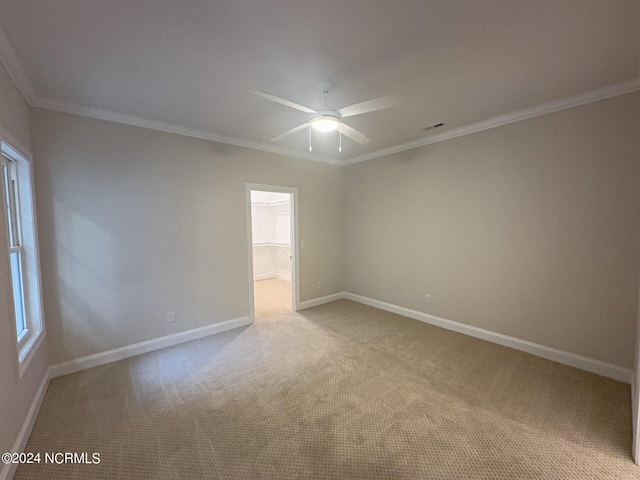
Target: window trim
{"points": [[28, 343], [14, 238]]}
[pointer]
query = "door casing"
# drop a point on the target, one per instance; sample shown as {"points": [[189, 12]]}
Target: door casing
{"points": [[295, 250]]}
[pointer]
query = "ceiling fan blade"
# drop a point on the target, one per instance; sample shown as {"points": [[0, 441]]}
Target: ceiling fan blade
{"points": [[290, 132], [370, 106], [284, 102], [354, 134]]}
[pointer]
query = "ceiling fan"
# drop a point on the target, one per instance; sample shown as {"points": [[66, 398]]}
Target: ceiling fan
{"points": [[327, 119]]}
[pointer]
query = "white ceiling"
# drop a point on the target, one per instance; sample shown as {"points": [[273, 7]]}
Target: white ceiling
{"points": [[193, 64]]}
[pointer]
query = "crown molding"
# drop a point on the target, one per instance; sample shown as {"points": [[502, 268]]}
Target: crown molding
{"points": [[11, 62], [110, 116], [14, 143], [565, 103], [517, 116]]}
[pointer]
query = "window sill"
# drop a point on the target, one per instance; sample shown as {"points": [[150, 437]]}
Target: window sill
{"points": [[28, 351]]}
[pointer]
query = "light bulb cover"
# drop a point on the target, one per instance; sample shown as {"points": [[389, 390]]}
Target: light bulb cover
{"points": [[325, 123]]}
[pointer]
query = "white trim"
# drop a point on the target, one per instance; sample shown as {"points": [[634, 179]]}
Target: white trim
{"points": [[322, 300], [294, 242], [11, 62], [584, 363], [286, 278], [33, 308], [578, 361], [14, 145], [7, 471], [635, 392], [252, 279], [295, 250], [10, 151], [270, 204], [121, 353], [270, 244], [19, 445], [107, 115], [274, 274], [265, 276], [566, 358], [517, 116], [31, 348], [565, 103]]}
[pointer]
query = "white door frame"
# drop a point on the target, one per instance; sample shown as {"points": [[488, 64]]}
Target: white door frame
{"points": [[295, 271], [635, 393]]}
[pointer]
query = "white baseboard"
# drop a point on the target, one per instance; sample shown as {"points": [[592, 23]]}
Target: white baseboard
{"points": [[319, 301], [264, 276], [578, 361], [7, 471], [286, 278], [584, 363], [19, 445], [121, 353]]}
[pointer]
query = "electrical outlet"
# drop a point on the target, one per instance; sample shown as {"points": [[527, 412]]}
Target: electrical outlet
{"points": [[171, 316], [427, 298], [319, 286], [301, 244]]}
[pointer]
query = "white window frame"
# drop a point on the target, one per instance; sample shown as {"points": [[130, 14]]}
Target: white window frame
{"points": [[22, 211], [10, 189]]}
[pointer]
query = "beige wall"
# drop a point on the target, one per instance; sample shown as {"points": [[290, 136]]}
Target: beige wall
{"points": [[530, 230], [14, 112], [16, 395], [134, 223]]}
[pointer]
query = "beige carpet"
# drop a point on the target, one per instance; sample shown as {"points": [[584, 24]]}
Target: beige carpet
{"points": [[340, 391], [270, 297]]}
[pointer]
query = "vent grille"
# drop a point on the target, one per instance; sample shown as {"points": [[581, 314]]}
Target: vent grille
{"points": [[431, 127]]}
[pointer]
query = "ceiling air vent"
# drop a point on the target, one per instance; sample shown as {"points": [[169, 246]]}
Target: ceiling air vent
{"points": [[431, 127]]}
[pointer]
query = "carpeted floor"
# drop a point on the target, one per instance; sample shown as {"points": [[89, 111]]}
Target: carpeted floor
{"points": [[339, 391], [271, 297]]}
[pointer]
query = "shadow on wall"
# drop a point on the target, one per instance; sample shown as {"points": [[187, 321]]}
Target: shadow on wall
{"points": [[85, 261], [123, 251]]}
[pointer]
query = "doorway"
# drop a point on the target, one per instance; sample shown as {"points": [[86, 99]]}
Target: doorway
{"points": [[272, 250]]}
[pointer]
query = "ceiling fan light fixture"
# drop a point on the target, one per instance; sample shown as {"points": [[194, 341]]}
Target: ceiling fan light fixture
{"points": [[325, 123]]}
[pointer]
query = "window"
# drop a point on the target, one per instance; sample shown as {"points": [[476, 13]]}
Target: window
{"points": [[15, 180], [10, 183]]}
